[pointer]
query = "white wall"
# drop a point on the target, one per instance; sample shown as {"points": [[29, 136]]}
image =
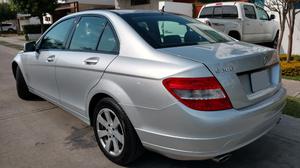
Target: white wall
{"points": [[296, 37]]}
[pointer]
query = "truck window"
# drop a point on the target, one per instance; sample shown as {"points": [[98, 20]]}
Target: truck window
{"points": [[207, 12], [229, 12], [262, 14], [218, 12], [249, 11]]}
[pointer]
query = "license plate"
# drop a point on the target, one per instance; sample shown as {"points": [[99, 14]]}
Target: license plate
{"points": [[260, 80]]}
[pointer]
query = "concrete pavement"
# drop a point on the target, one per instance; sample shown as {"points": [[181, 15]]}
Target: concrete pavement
{"points": [[293, 87], [39, 134]]}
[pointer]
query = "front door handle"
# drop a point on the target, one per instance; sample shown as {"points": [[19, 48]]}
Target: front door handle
{"points": [[91, 61], [51, 58]]}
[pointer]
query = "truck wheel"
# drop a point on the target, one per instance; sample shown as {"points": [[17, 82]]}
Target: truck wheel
{"points": [[10, 30], [235, 35], [114, 133], [22, 88]]}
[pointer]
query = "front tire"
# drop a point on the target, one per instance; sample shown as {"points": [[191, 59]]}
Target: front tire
{"points": [[22, 88], [114, 133]]}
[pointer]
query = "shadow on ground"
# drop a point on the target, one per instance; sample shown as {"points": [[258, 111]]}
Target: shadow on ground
{"points": [[265, 152]]}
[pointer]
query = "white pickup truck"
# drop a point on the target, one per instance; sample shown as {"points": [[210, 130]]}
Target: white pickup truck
{"points": [[242, 21]]}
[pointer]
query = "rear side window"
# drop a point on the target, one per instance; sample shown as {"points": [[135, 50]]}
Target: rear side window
{"points": [[108, 42], [87, 33], [207, 12], [249, 12], [229, 12], [56, 37], [218, 12]]}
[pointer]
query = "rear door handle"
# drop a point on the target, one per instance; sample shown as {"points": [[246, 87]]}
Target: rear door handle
{"points": [[91, 61], [51, 58]]}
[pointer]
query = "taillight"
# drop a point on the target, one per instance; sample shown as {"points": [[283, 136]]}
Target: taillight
{"points": [[205, 94]]}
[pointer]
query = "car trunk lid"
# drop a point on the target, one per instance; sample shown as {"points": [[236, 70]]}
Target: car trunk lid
{"points": [[248, 73]]}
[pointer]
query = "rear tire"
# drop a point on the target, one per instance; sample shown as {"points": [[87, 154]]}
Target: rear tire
{"points": [[22, 88], [274, 43], [130, 148]]}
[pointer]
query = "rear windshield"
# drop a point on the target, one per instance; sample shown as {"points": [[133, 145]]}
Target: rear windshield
{"points": [[224, 12], [163, 30]]}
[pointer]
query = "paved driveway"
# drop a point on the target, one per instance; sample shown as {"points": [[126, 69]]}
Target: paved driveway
{"points": [[39, 134]]}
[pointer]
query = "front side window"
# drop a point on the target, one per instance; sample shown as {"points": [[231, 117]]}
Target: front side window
{"points": [[262, 14], [163, 30], [56, 37], [249, 11], [87, 33], [108, 42]]}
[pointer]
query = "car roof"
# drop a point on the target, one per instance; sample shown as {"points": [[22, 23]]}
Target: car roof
{"points": [[121, 12], [227, 3], [110, 12]]}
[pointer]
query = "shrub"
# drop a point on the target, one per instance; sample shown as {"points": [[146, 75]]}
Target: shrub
{"points": [[290, 69], [294, 57], [34, 28]]}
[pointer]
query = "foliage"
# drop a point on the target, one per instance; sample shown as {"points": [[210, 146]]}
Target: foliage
{"points": [[292, 107], [291, 68], [296, 78], [37, 8], [6, 13], [293, 57]]}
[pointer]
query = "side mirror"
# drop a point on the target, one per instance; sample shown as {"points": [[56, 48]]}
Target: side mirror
{"points": [[272, 17], [29, 47]]}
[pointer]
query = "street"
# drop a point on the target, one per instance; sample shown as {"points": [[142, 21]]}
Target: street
{"points": [[39, 134]]}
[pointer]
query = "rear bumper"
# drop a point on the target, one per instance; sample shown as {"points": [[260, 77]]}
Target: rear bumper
{"points": [[204, 135]]}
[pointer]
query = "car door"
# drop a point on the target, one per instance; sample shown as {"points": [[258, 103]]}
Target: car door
{"points": [[41, 64], [92, 47], [266, 24], [252, 29]]}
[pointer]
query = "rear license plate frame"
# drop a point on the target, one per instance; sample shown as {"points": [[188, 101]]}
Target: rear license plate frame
{"points": [[260, 80]]}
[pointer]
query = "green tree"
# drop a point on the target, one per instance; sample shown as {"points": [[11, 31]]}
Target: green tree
{"points": [[37, 8], [6, 13]]}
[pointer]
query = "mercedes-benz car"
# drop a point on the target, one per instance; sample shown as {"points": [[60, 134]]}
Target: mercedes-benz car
{"points": [[154, 80]]}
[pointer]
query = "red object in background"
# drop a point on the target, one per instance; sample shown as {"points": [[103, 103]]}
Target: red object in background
{"points": [[197, 8]]}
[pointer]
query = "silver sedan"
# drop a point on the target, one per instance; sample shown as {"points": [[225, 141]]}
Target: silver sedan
{"points": [[154, 80]]}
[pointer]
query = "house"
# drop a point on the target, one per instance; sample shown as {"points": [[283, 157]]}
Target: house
{"points": [[70, 6]]}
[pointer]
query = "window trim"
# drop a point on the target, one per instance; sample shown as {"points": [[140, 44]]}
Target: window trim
{"points": [[39, 42], [93, 51], [254, 11]]}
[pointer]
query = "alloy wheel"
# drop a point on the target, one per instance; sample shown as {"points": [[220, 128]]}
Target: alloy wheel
{"points": [[110, 132]]}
